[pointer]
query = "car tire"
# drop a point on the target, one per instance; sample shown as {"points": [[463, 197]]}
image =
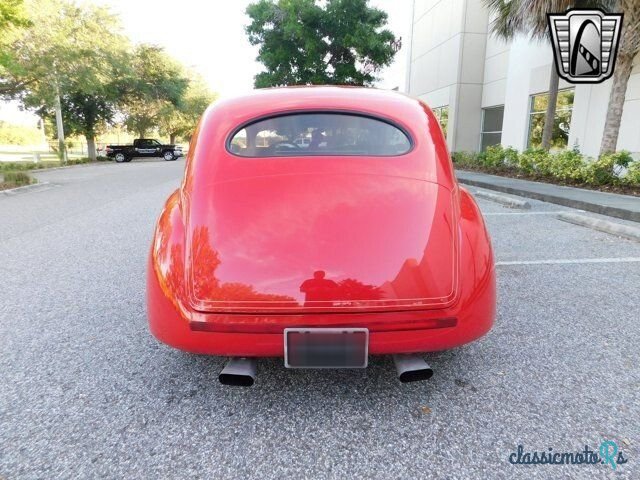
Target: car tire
{"points": [[120, 157], [168, 156]]}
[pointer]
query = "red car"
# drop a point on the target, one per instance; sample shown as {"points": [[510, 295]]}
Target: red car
{"points": [[321, 225]]}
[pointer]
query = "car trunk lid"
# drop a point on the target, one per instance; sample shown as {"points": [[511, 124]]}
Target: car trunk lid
{"points": [[299, 243]]}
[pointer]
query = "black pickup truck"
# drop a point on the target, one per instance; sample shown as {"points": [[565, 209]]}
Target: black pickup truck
{"points": [[143, 147]]}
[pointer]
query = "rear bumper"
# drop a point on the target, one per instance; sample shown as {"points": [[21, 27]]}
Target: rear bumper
{"points": [[390, 332]]}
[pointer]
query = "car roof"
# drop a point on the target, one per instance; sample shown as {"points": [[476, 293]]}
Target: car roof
{"points": [[428, 160], [357, 99]]}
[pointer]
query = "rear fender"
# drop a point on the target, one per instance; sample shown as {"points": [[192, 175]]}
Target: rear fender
{"points": [[477, 268], [166, 262]]}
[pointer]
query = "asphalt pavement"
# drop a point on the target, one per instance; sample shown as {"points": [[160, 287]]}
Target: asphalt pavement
{"points": [[87, 392]]}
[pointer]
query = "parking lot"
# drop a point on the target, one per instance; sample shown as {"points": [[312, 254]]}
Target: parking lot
{"points": [[86, 392]]}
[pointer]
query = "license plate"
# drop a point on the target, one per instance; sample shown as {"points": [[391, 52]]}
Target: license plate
{"points": [[326, 347]]}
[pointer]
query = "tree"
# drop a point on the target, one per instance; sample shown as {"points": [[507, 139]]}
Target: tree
{"points": [[69, 56], [529, 17], [628, 49], [302, 43], [90, 99], [157, 82], [12, 14], [13, 18], [181, 120]]}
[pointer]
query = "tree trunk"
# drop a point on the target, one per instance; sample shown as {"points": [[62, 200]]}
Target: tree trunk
{"points": [[91, 148], [172, 138], [621, 74], [550, 116]]}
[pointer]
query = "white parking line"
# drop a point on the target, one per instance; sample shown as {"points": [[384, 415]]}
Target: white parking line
{"points": [[495, 214], [570, 261]]}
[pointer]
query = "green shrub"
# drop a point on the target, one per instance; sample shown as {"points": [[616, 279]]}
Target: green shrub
{"points": [[511, 157], [493, 157], [78, 161], [465, 159], [534, 161], [17, 178], [567, 165], [496, 157], [24, 166], [606, 169], [632, 176], [14, 166]]}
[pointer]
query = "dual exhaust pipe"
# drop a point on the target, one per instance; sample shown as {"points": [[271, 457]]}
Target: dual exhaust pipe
{"points": [[242, 371]]}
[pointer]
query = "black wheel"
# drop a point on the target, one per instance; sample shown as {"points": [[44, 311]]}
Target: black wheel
{"points": [[168, 155], [120, 157]]}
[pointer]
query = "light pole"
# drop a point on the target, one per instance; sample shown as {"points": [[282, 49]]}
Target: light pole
{"points": [[62, 152]]}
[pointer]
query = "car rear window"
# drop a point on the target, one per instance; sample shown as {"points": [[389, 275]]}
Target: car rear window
{"points": [[319, 134]]}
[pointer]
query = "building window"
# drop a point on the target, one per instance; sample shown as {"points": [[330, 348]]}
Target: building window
{"points": [[442, 114], [561, 124], [491, 127]]}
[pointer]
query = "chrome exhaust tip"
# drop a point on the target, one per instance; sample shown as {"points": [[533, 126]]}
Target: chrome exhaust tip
{"points": [[239, 372], [412, 368]]}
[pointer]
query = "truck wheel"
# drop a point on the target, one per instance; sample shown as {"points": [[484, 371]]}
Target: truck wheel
{"points": [[120, 157], [168, 156]]}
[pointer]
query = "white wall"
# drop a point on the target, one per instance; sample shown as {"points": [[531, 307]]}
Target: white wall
{"points": [[496, 65], [629, 138], [447, 63]]}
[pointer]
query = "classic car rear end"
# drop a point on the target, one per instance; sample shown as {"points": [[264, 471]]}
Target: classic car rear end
{"points": [[321, 225]]}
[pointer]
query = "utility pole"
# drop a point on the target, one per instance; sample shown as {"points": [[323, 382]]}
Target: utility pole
{"points": [[62, 152]]}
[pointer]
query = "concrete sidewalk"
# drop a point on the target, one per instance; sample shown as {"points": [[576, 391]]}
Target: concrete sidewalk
{"points": [[626, 207]]}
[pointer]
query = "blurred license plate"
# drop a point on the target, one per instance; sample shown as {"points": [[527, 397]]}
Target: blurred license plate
{"points": [[326, 347]]}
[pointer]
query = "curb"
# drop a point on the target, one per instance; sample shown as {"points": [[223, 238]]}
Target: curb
{"points": [[15, 191], [506, 201], [612, 228], [567, 202]]}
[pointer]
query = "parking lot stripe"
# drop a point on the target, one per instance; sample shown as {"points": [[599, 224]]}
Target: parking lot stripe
{"points": [[562, 261]]}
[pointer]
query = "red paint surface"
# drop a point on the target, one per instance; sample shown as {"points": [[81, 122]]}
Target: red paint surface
{"points": [[249, 246]]}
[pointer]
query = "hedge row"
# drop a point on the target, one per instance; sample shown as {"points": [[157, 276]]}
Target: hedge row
{"points": [[22, 166], [568, 166]]}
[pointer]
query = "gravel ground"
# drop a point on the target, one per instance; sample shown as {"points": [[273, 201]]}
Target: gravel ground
{"points": [[86, 392]]}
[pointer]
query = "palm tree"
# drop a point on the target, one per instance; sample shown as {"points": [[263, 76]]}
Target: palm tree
{"points": [[628, 49], [529, 17]]}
